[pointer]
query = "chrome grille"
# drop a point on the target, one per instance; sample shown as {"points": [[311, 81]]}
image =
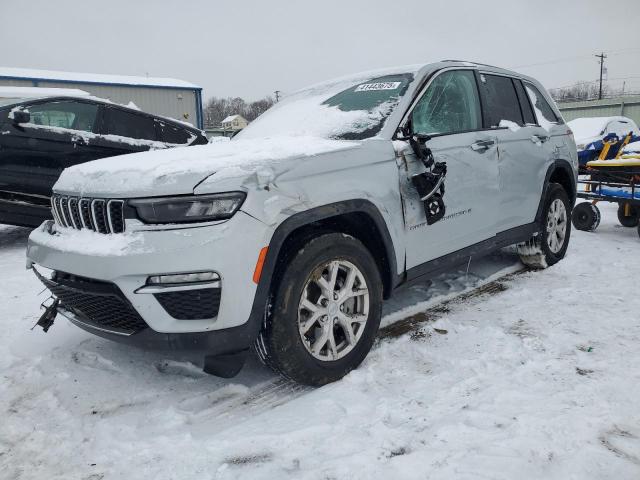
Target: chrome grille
{"points": [[97, 214]]}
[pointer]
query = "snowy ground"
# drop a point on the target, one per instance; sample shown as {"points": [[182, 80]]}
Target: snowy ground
{"points": [[539, 381]]}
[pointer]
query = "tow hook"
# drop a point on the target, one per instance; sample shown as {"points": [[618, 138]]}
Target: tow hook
{"points": [[47, 318]]}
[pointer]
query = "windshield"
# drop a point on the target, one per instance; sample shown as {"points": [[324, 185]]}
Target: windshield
{"points": [[352, 109]]}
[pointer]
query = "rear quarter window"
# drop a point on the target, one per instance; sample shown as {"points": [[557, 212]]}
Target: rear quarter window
{"points": [[174, 134], [128, 124], [543, 110]]}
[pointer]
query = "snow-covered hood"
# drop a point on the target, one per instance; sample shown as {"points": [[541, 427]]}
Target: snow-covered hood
{"points": [[177, 171]]}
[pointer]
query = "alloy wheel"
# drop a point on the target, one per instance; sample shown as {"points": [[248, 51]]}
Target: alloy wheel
{"points": [[556, 225], [333, 310]]}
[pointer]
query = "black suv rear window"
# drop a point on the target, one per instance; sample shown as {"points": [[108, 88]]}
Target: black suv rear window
{"points": [[129, 124], [499, 99], [173, 134]]}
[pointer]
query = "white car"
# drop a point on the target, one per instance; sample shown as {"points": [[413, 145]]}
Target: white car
{"points": [[590, 130], [289, 237]]}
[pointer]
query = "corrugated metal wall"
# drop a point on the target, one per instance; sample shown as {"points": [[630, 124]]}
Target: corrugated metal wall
{"points": [[180, 104], [628, 106]]}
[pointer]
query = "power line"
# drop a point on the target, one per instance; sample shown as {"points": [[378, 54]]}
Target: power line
{"points": [[624, 51]]}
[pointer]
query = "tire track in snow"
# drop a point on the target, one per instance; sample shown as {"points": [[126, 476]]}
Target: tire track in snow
{"points": [[414, 322], [280, 391]]}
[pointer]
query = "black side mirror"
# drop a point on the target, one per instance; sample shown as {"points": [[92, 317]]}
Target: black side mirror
{"points": [[21, 116], [418, 142]]}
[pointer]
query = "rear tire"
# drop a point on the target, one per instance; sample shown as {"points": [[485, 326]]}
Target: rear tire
{"points": [[586, 217], [550, 245], [325, 311], [628, 221]]}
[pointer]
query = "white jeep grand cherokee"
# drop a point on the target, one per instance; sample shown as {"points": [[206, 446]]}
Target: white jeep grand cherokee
{"points": [[289, 237]]}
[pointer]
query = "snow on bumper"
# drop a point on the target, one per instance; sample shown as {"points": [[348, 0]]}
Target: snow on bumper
{"points": [[229, 248]]}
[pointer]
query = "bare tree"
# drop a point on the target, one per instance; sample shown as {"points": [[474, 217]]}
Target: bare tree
{"points": [[217, 109], [580, 91]]}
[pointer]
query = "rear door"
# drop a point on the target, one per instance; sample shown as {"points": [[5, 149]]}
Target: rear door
{"points": [[123, 131], [449, 111], [33, 154], [522, 148]]}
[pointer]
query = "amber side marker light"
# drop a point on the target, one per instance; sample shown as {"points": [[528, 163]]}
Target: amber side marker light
{"points": [[259, 264]]}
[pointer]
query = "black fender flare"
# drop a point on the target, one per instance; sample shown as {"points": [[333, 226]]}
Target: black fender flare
{"points": [[558, 164], [302, 219]]}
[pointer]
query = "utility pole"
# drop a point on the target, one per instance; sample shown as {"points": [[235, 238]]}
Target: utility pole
{"points": [[277, 92], [602, 56]]}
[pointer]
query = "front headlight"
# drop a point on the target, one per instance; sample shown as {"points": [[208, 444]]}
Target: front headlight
{"points": [[194, 208]]}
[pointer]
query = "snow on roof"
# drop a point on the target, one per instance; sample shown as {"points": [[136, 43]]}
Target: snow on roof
{"points": [[37, 92], [230, 118], [587, 128], [94, 78]]}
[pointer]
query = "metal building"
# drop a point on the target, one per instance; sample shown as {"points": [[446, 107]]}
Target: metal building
{"points": [[626, 106], [161, 96]]}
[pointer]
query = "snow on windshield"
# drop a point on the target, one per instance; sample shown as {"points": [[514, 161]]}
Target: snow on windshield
{"points": [[352, 109]]}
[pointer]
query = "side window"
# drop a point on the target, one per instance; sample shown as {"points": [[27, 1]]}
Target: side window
{"points": [[65, 114], [449, 105], [499, 100], [525, 104], [544, 112], [128, 124], [173, 134]]}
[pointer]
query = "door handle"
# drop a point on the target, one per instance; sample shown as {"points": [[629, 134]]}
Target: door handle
{"points": [[539, 138], [481, 145]]}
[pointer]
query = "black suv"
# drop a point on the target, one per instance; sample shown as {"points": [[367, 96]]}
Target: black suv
{"points": [[41, 137]]}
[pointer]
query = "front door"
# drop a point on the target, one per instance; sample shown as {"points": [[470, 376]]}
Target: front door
{"points": [[34, 154], [449, 111]]}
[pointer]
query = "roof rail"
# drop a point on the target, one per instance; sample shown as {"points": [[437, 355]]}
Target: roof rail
{"points": [[475, 63]]}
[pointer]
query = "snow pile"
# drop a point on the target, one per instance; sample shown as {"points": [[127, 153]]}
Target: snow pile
{"points": [[540, 381], [633, 147], [513, 126], [591, 129], [586, 129], [185, 167]]}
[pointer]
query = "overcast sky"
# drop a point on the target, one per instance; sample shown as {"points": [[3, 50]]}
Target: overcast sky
{"points": [[250, 48]]}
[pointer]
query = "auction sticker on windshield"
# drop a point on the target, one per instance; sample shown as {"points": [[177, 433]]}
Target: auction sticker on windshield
{"points": [[368, 87]]}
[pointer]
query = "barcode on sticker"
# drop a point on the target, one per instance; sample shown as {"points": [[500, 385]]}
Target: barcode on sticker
{"points": [[368, 87]]}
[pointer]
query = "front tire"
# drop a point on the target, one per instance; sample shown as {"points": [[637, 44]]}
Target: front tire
{"points": [[550, 245], [325, 312]]}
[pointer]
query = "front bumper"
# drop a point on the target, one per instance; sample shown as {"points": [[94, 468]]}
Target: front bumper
{"points": [[126, 261]]}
